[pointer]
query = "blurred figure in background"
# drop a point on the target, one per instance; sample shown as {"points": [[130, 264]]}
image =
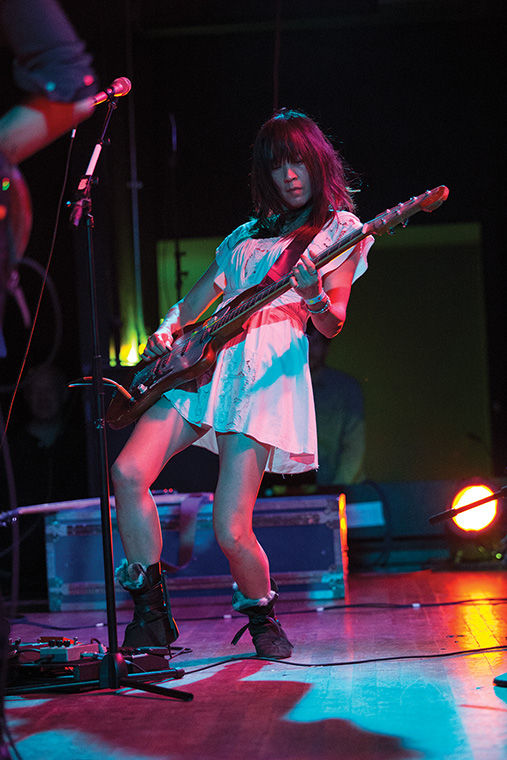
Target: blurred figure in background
{"points": [[339, 408], [52, 70], [46, 447], [56, 82], [48, 457]]}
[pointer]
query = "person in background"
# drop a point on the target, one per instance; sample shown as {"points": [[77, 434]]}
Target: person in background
{"points": [[45, 446], [48, 458], [339, 408]]}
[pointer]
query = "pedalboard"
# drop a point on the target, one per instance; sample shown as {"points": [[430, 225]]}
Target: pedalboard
{"points": [[69, 653], [54, 662], [54, 649]]}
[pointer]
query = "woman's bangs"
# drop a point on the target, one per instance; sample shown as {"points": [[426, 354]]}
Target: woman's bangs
{"points": [[288, 146]]}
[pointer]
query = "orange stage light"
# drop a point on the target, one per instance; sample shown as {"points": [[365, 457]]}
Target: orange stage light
{"points": [[477, 518]]}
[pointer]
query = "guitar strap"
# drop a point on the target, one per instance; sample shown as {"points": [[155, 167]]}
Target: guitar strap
{"points": [[287, 259]]}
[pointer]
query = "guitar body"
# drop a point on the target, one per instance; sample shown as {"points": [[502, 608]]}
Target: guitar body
{"points": [[192, 354], [194, 351], [150, 380]]}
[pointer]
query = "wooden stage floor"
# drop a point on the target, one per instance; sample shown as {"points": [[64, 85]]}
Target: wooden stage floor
{"points": [[402, 668]]}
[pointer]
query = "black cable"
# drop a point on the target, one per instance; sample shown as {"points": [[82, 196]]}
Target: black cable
{"points": [[499, 648], [52, 291], [5, 426], [387, 539], [4, 728], [366, 661], [405, 605], [10, 740], [43, 287], [24, 534], [49, 285], [276, 56], [183, 650], [317, 610]]}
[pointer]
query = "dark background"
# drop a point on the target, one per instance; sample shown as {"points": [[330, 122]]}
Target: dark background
{"points": [[410, 92]]}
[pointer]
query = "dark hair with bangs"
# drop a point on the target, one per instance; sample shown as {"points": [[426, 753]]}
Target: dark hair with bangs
{"points": [[292, 136]]}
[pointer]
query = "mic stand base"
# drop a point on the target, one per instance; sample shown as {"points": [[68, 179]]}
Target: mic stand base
{"points": [[114, 675], [111, 671]]}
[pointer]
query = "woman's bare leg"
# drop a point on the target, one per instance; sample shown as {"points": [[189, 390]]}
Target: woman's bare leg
{"points": [[242, 464], [159, 434]]}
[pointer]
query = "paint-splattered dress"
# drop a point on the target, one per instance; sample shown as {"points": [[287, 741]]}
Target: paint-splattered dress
{"points": [[261, 382]]}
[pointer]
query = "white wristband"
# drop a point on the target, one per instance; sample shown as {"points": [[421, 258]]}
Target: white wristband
{"points": [[318, 298], [324, 306]]}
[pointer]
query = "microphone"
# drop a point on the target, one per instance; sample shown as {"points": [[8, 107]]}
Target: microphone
{"points": [[119, 87]]}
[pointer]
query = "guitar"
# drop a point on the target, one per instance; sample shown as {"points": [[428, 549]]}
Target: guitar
{"points": [[195, 348]]}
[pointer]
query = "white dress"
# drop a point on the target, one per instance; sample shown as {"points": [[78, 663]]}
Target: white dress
{"points": [[261, 384]]}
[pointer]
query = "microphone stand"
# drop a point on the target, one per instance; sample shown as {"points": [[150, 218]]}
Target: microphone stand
{"points": [[178, 253], [113, 668]]}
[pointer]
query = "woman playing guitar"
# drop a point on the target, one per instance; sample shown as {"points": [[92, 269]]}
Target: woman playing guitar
{"points": [[255, 409]]}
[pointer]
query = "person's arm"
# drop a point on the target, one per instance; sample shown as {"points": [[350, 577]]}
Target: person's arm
{"points": [[52, 67], [326, 297], [351, 453], [185, 312]]}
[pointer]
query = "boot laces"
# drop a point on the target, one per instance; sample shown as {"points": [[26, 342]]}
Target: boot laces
{"points": [[259, 624]]}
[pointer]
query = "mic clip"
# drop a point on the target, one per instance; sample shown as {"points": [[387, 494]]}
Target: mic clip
{"points": [[111, 98], [82, 200]]}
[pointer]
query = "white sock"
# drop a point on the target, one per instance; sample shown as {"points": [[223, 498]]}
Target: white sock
{"points": [[240, 601], [131, 577]]}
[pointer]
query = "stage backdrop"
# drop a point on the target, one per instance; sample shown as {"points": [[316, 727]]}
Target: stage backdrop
{"points": [[415, 338]]}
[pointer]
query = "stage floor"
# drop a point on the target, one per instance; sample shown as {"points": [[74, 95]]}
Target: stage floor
{"points": [[402, 668]]}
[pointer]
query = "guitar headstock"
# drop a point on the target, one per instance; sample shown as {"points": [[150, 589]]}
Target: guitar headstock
{"points": [[432, 199], [428, 201]]}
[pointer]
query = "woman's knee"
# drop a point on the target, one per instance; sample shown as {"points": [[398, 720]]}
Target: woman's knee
{"points": [[233, 539], [125, 474]]}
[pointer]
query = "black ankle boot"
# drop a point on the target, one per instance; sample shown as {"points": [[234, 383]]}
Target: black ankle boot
{"points": [[153, 624], [268, 636]]}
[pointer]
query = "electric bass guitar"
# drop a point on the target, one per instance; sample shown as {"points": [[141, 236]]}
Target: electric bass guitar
{"points": [[195, 348]]}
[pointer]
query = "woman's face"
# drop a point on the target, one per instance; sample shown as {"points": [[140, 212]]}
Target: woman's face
{"points": [[293, 183]]}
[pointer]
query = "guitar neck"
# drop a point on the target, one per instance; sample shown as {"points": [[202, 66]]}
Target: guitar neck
{"points": [[428, 201], [270, 292]]}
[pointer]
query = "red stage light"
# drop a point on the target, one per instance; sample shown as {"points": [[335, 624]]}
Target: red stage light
{"points": [[477, 518]]}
